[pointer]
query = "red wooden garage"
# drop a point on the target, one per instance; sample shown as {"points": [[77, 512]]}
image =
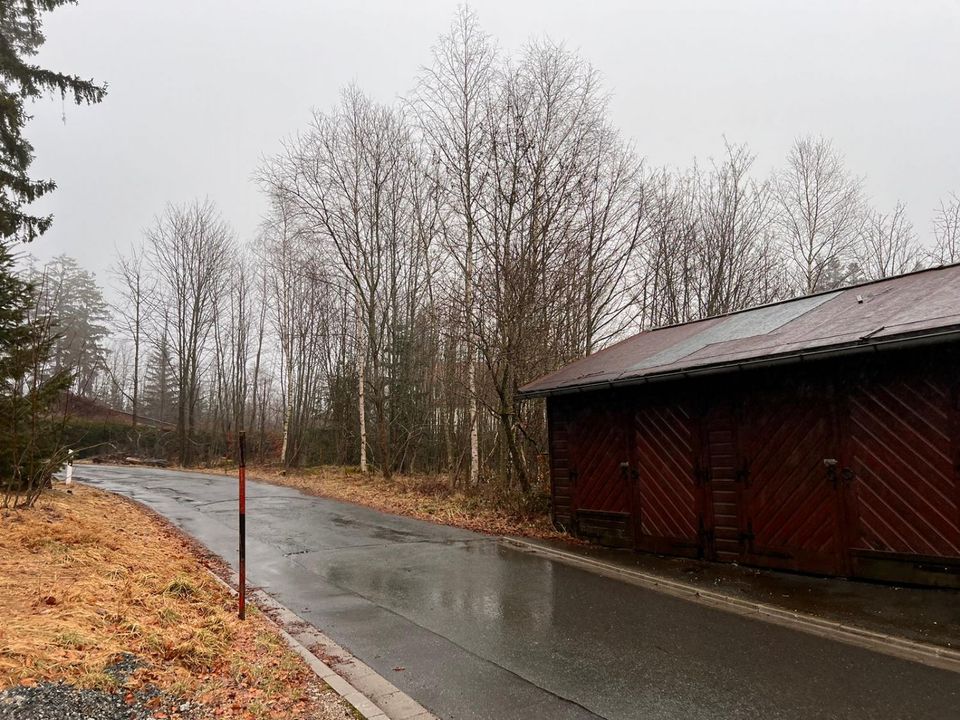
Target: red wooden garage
{"points": [[820, 434]]}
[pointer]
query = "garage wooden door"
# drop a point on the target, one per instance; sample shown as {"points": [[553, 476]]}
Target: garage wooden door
{"points": [[791, 478], [902, 446], [668, 496], [599, 464]]}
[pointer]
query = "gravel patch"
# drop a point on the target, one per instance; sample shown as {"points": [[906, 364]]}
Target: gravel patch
{"points": [[125, 667], [61, 701]]}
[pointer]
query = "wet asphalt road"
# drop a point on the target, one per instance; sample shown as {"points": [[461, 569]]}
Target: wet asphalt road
{"points": [[483, 631]]}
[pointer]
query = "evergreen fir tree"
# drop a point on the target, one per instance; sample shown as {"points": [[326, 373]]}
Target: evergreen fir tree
{"points": [[29, 448], [70, 295], [21, 35], [160, 383], [29, 440]]}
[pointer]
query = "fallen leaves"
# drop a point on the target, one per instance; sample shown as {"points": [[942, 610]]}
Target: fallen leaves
{"points": [[87, 577]]}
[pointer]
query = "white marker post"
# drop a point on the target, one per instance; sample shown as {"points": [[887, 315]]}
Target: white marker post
{"points": [[69, 467]]}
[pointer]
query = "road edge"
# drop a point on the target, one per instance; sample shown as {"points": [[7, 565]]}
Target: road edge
{"points": [[367, 690], [900, 647], [296, 632], [363, 688]]}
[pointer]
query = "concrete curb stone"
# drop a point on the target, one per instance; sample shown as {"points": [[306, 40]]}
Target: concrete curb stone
{"points": [[369, 693]]}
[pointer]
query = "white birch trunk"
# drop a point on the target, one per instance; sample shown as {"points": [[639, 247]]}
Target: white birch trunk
{"points": [[362, 395], [474, 434], [287, 414], [471, 358]]}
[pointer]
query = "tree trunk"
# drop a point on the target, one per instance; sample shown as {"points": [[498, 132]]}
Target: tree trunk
{"points": [[362, 397], [471, 359], [136, 368], [287, 413]]}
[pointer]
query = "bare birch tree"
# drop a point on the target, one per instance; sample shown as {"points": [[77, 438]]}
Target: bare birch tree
{"points": [[613, 205], [297, 292], [734, 237], [667, 257], [189, 249], [547, 130], [451, 102], [888, 244], [348, 179], [821, 210], [232, 328], [136, 288], [946, 231]]}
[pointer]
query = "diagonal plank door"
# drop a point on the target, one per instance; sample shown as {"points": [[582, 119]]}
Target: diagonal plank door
{"points": [[669, 498], [791, 479], [903, 455], [599, 464]]}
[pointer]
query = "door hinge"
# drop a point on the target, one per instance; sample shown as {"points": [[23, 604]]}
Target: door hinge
{"points": [[706, 536], [743, 475], [702, 476]]}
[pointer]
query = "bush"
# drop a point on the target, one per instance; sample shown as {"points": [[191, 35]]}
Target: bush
{"points": [[89, 438]]}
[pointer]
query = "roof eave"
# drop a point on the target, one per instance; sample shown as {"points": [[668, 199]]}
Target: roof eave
{"points": [[845, 350]]}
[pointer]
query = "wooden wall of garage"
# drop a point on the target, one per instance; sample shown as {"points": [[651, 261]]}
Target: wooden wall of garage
{"points": [[839, 467]]}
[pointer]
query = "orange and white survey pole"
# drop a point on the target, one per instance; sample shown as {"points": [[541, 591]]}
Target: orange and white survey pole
{"points": [[242, 610]]}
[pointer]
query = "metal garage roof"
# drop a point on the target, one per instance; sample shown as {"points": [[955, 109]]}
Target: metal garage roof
{"points": [[918, 307]]}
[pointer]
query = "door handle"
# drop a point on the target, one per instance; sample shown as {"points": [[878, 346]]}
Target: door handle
{"points": [[831, 465], [844, 476]]}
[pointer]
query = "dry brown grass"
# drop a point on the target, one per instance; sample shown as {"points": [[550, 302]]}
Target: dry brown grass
{"points": [[87, 576], [422, 496]]}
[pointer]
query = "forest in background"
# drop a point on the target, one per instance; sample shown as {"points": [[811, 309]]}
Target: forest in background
{"points": [[420, 261]]}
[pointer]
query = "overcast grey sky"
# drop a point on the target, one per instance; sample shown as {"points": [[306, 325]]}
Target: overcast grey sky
{"points": [[201, 89]]}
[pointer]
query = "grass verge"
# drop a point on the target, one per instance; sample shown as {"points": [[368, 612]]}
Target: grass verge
{"points": [[87, 578], [426, 497]]}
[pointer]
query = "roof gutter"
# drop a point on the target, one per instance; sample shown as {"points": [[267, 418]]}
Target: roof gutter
{"points": [[848, 350]]}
